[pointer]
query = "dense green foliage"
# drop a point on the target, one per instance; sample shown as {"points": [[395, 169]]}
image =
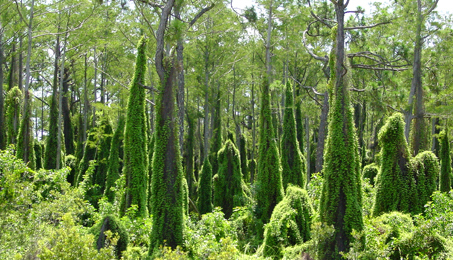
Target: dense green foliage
{"points": [[290, 223], [228, 192], [370, 172], [341, 197], [115, 160], [188, 155], [426, 167], [13, 103], [216, 144], [395, 182], [205, 188], [135, 154], [50, 153], [293, 162], [112, 224], [25, 141], [445, 167], [37, 146], [269, 186], [89, 154], [243, 155], [102, 156]]}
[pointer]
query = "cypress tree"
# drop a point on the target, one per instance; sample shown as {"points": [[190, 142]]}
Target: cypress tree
{"points": [[89, 154], [394, 183], [216, 136], [293, 162], [190, 138], [426, 168], [100, 173], [168, 198], [12, 103], [341, 199], [205, 188], [135, 137], [228, 192], [289, 224], [25, 150], [269, 187], [243, 155], [445, 167], [37, 146], [50, 154], [150, 168]]}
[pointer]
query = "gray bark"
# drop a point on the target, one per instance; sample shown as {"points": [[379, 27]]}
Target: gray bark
{"points": [[2, 100]]}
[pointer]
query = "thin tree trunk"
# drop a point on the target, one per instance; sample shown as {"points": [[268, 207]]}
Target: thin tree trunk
{"points": [[268, 41], [180, 93], [2, 101], [206, 106], [95, 86], [322, 134], [27, 85], [21, 65], [307, 137], [60, 107], [86, 102]]}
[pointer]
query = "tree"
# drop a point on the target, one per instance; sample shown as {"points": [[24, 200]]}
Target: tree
{"points": [[135, 155], [392, 185], [445, 167], [167, 202], [341, 197], [228, 183], [115, 160], [25, 142], [205, 188], [293, 162], [269, 186], [13, 102], [426, 168]]}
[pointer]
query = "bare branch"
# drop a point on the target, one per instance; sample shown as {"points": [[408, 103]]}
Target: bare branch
{"points": [[20, 13], [367, 26], [203, 11], [42, 100], [149, 87], [369, 67], [150, 3], [324, 59], [357, 90], [431, 9], [147, 21]]}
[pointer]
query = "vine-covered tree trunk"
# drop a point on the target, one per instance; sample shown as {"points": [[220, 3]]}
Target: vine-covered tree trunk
{"points": [[445, 167], [135, 137], [2, 101], [167, 198], [66, 113], [340, 203], [293, 162]]}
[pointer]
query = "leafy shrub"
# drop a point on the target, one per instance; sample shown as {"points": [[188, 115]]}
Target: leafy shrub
{"points": [[290, 222], [369, 172], [112, 224]]}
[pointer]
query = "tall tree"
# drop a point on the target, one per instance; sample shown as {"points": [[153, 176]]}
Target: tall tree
{"points": [[293, 162], [135, 155], [340, 203], [115, 158], [167, 202], [2, 100], [445, 167]]}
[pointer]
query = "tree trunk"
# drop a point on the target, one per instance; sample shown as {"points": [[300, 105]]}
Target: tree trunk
{"points": [[21, 65], [60, 107], [93, 123], [66, 113], [307, 137], [206, 106], [268, 42], [27, 129], [322, 134], [86, 102], [2, 101], [180, 93]]}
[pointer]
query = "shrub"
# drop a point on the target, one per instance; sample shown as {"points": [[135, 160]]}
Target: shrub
{"points": [[445, 157], [112, 224], [205, 189], [289, 224]]}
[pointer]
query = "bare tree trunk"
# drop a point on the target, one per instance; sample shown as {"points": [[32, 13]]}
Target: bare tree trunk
{"points": [[268, 42], [180, 93], [86, 102], [60, 105], [206, 106], [93, 123], [21, 65], [26, 133]]}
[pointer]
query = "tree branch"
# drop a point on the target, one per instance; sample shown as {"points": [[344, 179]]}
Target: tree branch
{"points": [[203, 11], [149, 87], [150, 3], [324, 59], [366, 26]]}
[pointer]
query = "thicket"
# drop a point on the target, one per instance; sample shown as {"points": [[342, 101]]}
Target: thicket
{"points": [[114, 225], [293, 162], [135, 137]]}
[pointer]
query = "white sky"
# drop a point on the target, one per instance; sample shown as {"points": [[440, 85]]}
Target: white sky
{"points": [[444, 6]]}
